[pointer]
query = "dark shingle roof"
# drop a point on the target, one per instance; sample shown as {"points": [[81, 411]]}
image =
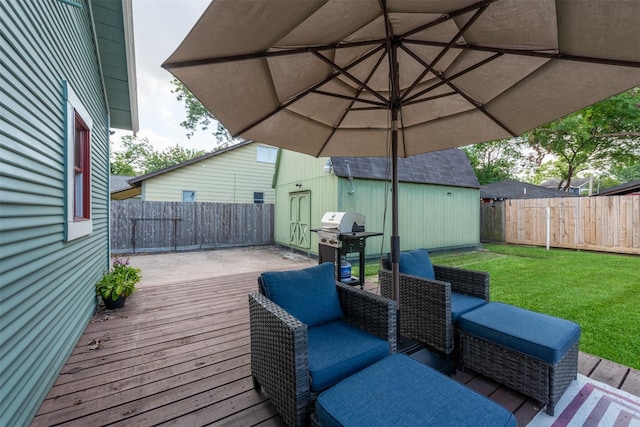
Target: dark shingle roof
{"points": [[119, 183], [446, 167], [626, 188], [512, 189]]}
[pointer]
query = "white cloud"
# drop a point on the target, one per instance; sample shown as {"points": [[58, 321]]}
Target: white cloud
{"points": [[159, 28]]}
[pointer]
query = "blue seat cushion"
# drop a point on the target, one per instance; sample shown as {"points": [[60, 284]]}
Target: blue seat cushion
{"points": [[539, 335], [401, 391], [309, 294], [462, 303], [417, 263], [338, 350]]}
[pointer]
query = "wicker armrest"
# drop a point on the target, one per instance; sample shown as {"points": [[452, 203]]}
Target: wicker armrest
{"points": [[371, 312], [425, 309], [470, 282], [279, 357]]}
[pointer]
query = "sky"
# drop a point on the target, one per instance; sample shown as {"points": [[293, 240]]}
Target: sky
{"points": [[159, 28]]}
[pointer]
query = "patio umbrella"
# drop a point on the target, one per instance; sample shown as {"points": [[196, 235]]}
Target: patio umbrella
{"points": [[401, 77]]}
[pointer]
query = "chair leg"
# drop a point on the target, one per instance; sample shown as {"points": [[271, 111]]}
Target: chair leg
{"points": [[256, 385]]}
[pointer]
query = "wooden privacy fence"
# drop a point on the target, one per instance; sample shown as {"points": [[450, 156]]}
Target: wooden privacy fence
{"points": [[140, 226], [602, 223]]}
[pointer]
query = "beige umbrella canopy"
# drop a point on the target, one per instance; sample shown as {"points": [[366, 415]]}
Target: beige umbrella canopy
{"points": [[402, 77]]}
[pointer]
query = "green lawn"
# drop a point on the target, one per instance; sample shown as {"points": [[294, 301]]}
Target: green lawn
{"points": [[601, 292]]}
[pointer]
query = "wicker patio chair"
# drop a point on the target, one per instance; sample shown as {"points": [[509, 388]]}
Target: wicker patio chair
{"points": [[280, 345], [426, 313]]}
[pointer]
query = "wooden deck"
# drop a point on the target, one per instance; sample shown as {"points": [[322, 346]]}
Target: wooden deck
{"points": [[179, 355]]}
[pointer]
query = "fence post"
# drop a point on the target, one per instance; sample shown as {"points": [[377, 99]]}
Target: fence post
{"points": [[548, 227]]}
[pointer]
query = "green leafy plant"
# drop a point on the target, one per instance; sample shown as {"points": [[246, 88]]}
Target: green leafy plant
{"points": [[119, 281]]}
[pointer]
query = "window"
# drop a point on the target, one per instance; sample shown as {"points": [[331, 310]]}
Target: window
{"points": [[266, 154], [258, 197], [78, 184], [188, 196]]}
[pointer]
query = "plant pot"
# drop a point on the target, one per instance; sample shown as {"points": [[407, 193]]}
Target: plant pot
{"points": [[111, 304]]}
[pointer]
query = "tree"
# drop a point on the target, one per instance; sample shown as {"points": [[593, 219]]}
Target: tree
{"points": [[131, 159], [494, 160], [601, 137], [198, 117], [138, 157]]}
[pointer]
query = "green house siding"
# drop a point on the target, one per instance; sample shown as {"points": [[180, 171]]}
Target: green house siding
{"points": [[231, 177], [46, 283], [430, 216]]}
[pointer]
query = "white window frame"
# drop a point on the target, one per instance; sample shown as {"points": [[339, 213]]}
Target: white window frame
{"points": [[266, 154], [75, 228]]}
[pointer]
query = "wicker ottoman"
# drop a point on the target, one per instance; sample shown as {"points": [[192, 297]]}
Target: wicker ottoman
{"points": [[398, 390], [530, 352]]}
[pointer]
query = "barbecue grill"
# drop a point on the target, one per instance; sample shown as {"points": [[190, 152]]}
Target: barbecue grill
{"points": [[342, 233]]}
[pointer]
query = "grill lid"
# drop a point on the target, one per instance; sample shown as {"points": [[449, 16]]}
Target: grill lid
{"points": [[343, 222]]}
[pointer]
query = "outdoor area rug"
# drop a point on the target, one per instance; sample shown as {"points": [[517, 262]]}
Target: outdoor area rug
{"points": [[591, 403]]}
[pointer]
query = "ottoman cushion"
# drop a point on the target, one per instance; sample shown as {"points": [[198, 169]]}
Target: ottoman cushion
{"points": [[401, 391], [462, 303], [337, 350], [539, 335]]}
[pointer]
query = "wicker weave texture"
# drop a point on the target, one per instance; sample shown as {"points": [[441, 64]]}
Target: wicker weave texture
{"points": [[280, 351], [528, 375], [425, 305]]}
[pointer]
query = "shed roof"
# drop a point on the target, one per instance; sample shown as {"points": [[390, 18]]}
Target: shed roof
{"points": [[446, 167], [512, 189], [622, 189]]}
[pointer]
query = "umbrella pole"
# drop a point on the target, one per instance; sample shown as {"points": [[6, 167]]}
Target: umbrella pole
{"points": [[395, 237]]}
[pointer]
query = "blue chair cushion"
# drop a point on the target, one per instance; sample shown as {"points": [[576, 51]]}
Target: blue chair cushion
{"points": [[338, 350], [462, 303], [539, 335], [401, 391], [309, 294], [417, 263]]}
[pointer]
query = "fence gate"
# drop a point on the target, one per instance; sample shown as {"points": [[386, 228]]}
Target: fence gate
{"points": [[492, 222]]}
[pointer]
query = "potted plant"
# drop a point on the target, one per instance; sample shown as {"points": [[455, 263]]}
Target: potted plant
{"points": [[118, 283]]}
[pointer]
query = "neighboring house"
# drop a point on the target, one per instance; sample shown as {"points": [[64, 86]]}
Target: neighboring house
{"points": [[438, 199], [628, 189], [67, 76], [241, 173], [512, 189], [121, 189], [578, 186]]}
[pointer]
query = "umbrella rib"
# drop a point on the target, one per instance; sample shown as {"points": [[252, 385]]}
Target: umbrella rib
{"points": [[430, 67], [481, 108], [533, 53], [309, 90], [350, 76], [350, 98], [447, 17], [445, 80], [268, 54], [356, 98]]}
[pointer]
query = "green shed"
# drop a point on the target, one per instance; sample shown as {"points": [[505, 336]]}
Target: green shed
{"points": [[439, 199]]}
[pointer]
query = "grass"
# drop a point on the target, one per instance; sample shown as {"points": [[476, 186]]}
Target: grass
{"points": [[601, 292]]}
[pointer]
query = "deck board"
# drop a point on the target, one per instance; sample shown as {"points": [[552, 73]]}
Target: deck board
{"points": [[179, 354]]}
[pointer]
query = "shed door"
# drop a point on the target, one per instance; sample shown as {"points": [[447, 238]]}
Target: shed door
{"points": [[299, 219]]}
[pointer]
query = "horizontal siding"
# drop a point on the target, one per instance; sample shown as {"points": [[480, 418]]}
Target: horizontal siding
{"points": [[309, 172], [231, 177], [46, 284], [430, 216]]}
